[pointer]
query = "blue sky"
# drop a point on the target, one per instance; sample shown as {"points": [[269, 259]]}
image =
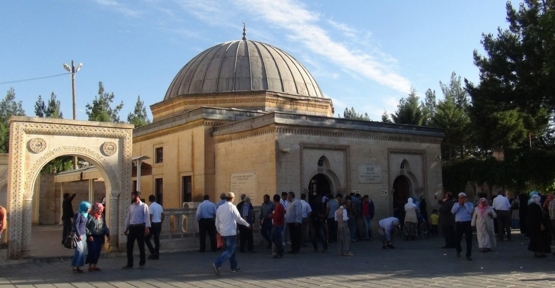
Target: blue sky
{"points": [[363, 54]]}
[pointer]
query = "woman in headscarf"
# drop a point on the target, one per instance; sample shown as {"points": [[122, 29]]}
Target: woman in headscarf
{"points": [[80, 228], [538, 228], [96, 231], [411, 220], [483, 220]]}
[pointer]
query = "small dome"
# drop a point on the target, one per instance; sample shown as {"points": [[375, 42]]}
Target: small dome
{"points": [[243, 65]]}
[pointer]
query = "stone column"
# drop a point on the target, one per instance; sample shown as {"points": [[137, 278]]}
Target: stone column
{"points": [[26, 226], [15, 219], [113, 216]]}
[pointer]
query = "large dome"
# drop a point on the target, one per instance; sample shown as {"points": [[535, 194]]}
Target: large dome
{"points": [[243, 65]]}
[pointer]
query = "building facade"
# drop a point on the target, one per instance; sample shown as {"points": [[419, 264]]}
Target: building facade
{"points": [[247, 117]]}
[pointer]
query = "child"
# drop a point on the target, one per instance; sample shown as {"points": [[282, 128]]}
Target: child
{"points": [[434, 221]]}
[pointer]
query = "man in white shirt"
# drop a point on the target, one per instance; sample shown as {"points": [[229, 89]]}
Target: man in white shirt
{"points": [[305, 226], [502, 206], [227, 217], [387, 228], [343, 232], [137, 226], [285, 233], [156, 218], [293, 220]]}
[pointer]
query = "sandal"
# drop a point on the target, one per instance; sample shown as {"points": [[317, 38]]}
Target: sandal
{"points": [[77, 270]]}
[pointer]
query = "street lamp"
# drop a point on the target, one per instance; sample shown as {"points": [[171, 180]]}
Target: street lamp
{"points": [[73, 70]]}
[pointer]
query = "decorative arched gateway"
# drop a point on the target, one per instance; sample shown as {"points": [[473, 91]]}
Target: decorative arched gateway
{"points": [[36, 141]]}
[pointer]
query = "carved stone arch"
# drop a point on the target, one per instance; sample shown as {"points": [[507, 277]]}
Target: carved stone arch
{"points": [[35, 141], [104, 168]]}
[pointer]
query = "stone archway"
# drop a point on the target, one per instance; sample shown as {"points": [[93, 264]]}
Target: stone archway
{"points": [[36, 141]]}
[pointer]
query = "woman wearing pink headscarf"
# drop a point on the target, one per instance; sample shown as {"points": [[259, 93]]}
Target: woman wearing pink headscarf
{"points": [[483, 220], [96, 231]]}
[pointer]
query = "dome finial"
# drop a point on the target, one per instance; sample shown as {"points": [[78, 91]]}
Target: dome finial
{"points": [[244, 31]]}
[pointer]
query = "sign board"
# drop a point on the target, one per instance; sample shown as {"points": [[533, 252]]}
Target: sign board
{"points": [[244, 183], [368, 173]]}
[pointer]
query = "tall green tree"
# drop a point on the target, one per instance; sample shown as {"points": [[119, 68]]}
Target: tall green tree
{"points": [[409, 111], [52, 110], [513, 101], [352, 114], [429, 107], [138, 117], [101, 108], [451, 115], [8, 107]]}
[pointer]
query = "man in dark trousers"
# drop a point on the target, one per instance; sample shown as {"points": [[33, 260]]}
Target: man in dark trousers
{"points": [[67, 215], [137, 226], [447, 220], [206, 215], [156, 218]]}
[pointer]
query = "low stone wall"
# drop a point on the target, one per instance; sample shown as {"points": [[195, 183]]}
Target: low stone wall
{"points": [[180, 230]]}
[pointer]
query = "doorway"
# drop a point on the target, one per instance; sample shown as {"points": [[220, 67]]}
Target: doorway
{"points": [[401, 192], [318, 186]]}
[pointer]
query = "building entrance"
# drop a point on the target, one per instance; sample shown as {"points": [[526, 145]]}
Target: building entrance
{"points": [[319, 186], [401, 192]]}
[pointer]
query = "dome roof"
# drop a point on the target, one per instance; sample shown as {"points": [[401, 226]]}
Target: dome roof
{"points": [[243, 65]]}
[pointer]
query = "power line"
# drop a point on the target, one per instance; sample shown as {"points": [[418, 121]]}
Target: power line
{"points": [[31, 79]]}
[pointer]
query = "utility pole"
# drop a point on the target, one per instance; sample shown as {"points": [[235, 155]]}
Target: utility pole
{"points": [[73, 70]]}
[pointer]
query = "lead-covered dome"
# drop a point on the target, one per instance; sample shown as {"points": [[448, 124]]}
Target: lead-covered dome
{"points": [[243, 65]]}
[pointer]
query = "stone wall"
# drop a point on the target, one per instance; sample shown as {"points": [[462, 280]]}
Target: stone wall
{"points": [[50, 203]]}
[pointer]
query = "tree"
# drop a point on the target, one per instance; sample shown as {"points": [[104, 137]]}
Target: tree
{"points": [[8, 107], [451, 114], [50, 111], [409, 111], [385, 118], [429, 107], [352, 114], [101, 110], [517, 85], [138, 117]]}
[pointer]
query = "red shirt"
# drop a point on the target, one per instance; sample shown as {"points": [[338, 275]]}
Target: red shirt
{"points": [[278, 216], [365, 208]]}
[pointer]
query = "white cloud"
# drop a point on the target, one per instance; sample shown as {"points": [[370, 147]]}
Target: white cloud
{"points": [[348, 31], [303, 27], [119, 7], [291, 20]]}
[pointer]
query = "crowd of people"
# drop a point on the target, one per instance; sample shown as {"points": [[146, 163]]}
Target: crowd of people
{"points": [[88, 228], [285, 220], [494, 218], [289, 221]]}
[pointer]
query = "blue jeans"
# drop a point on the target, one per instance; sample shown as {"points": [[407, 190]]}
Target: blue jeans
{"points": [[229, 253], [276, 238], [352, 222], [367, 225], [266, 230]]}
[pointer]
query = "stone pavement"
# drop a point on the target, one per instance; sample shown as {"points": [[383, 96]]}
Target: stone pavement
{"points": [[412, 264]]}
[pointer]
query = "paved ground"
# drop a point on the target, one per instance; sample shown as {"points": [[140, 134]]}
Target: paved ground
{"points": [[412, 264]]}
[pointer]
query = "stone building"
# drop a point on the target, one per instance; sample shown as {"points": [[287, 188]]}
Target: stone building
{"points": [[247, 117]]}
